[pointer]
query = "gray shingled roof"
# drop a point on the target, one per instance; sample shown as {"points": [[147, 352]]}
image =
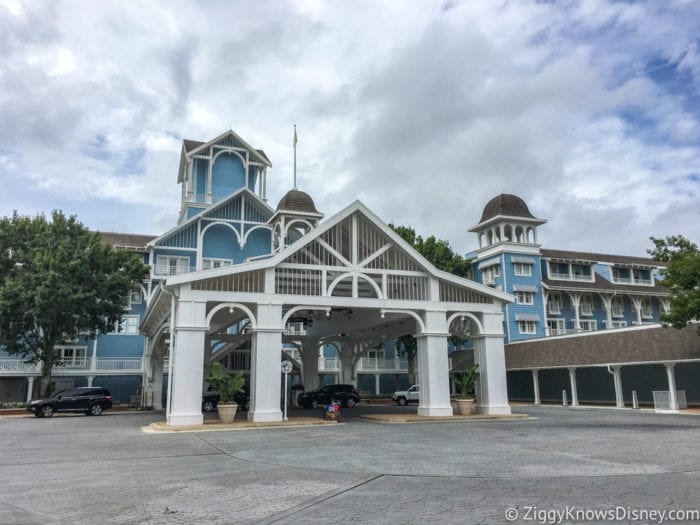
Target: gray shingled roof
{"points": [[126, 240], [191, 144], [505, 204], [599, 257], [604, 285], [296, 200], [614, 346]]}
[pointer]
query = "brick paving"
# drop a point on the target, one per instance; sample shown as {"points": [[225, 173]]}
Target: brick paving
{"points": [[106, 470]]}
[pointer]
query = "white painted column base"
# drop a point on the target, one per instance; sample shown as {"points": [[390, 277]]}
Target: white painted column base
{"points": [[435, 411], [492, 387], [265, 360], [434, 368], [178, 420]]}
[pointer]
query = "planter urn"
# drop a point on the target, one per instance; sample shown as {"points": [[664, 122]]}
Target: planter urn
{"points": [[227, 413], [465, 406]]}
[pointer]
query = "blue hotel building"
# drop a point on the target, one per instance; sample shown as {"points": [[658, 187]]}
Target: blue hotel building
{"points": [[225, 219]]}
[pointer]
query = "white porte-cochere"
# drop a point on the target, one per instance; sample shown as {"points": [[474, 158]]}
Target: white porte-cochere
{"points": [[354, 283]]}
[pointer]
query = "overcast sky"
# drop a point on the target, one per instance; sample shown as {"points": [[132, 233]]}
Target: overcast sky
{"points": [[589, 111]]}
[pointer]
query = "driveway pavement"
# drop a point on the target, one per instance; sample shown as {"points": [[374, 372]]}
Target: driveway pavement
{"points": [[81, 469]]}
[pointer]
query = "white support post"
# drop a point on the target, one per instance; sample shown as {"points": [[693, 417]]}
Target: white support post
{"points": [[265, 359], [433, 367], [536, 386], [376, 384], [617, 380], [157, 402], [346, 374], [188, 364], [309, 355], [90, 379], [489, 354], [671, 375], [574, 389], [30, 388]]}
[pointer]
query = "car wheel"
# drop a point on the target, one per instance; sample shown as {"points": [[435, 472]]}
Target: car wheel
{"points": [[46, 411], [208, 406], [96, 409], [402, 401], [350, 402], [38, 414], [314, 404]]}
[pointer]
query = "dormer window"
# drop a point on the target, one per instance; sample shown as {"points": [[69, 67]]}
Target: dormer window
{"points": [[573, 271], [636, 276]]}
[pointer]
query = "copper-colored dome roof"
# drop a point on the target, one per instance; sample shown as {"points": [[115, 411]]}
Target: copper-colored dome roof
{"points": [[296, 200], [504, 204]]}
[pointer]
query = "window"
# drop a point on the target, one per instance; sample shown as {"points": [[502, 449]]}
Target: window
{"points": [[527, 327], [641, 276], [129, 325], [647, 310], [554, 303], [522, 269], [166, 265], [490, 273], [618, 307], [136, 296], [587, 326], [581, 272], [621, 275], [207, 264], [619, 324], [525, 297], [70, 356], [556, 326], [586, 305]]}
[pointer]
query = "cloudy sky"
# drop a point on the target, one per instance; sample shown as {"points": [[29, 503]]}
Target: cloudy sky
{"points": [[590, 111]]}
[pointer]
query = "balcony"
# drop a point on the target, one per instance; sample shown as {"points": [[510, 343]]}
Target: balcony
{"points": [[328, 364], [81, 366], [378, 364], [162, 270]]}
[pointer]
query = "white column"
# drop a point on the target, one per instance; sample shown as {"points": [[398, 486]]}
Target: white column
{"points": [[617, 379], [433, 367], [346, 363], [309, 355], [265, 359], [90, 379], [30, 388], [188, 364], [489, 354], [671, 375], [376, 384], [574, 390], [157, 401], [536, 386]]}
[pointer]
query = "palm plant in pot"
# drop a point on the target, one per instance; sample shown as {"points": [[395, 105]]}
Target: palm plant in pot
{"points": [[227, 385], [466, 381]]}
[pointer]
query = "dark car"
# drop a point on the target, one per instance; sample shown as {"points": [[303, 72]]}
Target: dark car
{"points": [[211, 399], [346, 394], [90, 400]]}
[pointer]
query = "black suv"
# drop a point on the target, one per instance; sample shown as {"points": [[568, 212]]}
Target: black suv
{"points": [[346, 394], [211, 399], [91, 400]]}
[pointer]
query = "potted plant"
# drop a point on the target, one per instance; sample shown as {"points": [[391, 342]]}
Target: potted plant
{"points": [[466, 380], [227, 385]]}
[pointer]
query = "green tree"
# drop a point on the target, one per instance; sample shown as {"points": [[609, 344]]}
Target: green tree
{"points": [[441, 255], [681, 276], [58, 280]]}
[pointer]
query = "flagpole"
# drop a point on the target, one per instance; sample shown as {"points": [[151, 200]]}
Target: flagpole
{"points": [[295, 156]]}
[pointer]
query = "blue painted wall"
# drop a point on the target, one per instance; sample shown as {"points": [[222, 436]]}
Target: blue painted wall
{"points": [[221, 242], [228, 175]]}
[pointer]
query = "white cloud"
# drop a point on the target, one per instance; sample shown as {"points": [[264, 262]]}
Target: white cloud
{"points": [[424, 110]]}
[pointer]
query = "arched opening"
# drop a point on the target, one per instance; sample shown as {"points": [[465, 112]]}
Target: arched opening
{"points": [[508, 232], [228, 175], [519, 234]]}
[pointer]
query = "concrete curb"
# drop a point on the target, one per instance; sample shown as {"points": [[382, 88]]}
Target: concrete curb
{"points": [[161, 428], [415, 418]]}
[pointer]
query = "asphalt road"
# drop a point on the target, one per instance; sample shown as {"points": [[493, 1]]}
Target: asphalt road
{"points": [[79, 469]]}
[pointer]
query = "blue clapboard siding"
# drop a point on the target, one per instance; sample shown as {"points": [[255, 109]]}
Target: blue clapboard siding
{"points": [[121, 387]]}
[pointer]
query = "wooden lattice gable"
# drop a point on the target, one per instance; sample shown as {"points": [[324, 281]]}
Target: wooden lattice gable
{"points": [[230, 139], [229, 209], [354, 254]]}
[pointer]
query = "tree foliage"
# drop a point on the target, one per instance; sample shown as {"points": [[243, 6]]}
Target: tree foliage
{"points": [[437, 251], [58, 280], [681, 276]]}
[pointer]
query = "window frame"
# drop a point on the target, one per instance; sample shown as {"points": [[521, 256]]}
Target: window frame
{"points": [[527, 325], [522, 269], [528, 298]]}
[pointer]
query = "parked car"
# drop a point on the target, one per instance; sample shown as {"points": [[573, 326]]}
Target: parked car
{"points": [[90, 400], [404, 397], [346, 394], [211, 399]]}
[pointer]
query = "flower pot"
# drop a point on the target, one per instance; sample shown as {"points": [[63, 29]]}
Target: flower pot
{"points": [[227, 412], [465, 406]]}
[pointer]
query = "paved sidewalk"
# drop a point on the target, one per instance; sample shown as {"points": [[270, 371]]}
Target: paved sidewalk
{"points": [[105, 470]]}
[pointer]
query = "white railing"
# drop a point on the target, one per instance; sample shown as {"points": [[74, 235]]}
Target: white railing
{"points": [[662, 400], [14, 366], [582, 277], [570, 277], [379, 363], [162, 269], [328, 363]]}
